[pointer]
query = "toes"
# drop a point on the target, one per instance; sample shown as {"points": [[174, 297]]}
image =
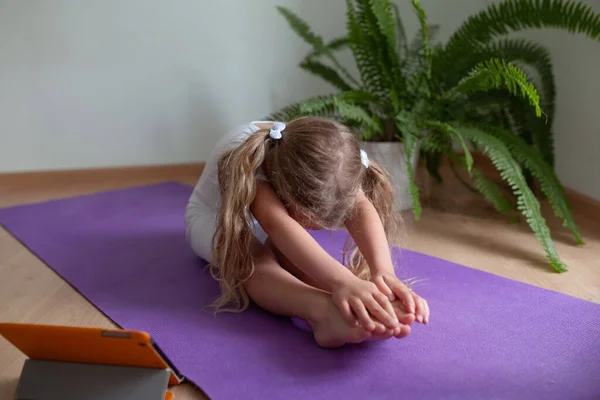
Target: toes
{"points": [[379, 329], [384, 335], [404, 332], [362, 335], [406, 319]]}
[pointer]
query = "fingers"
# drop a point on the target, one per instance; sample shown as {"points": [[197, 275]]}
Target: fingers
{"points": [[387, 306], [363, 316], [381, 308], [426, 311], [404, 317], [418, 308], [347, 314], [422, 309], [404, 295], [384, 288], [381, 332]]}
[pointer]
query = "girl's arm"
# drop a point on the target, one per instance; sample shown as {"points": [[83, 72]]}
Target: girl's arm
{"points": [[293, 240], [349, 292], [369, 235]]}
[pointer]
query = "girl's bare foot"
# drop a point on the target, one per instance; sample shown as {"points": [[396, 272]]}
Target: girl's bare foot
{"points": [[404, 317], [403, 330], [331, 330]]}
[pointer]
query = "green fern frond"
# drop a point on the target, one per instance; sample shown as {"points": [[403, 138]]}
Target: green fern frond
{"points": [[535, 131], [436, 141], [321, 106], [358, 97], [405, 121], [449, 131], [467, 152], [351, 112], [412, 63], [401, 38], [416, 46], [366, 134], [338, 108], [510, 50], [349, 107], [516, 15], [495, 74], [521, 120], [333, 45], [526, 201], [382, 9], [536, 56], [326, 73], [493, 193], [287, 113], [468, 157], [523, 52], [549, 182], [362, 49], [500, 108], [379, 35], [427, 55], [433, 147], [303, 30], [433, 163]]}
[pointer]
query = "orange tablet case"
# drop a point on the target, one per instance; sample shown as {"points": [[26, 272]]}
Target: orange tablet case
{"points": [[88, 345]]}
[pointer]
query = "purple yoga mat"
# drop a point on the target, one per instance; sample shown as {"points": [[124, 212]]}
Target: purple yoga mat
{"points": [[489, 337]]}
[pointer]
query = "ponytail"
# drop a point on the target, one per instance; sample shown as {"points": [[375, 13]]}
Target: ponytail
{"points": [[232, 262], [377, 187]]}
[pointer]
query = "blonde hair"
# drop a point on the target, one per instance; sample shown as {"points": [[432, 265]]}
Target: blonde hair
{"points": [[316, 169]]}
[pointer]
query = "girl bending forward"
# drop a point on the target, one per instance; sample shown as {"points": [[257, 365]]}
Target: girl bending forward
{"points": [[265, 184]]}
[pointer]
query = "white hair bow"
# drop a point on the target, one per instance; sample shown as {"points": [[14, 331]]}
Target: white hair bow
{"points": [[275, 131], [364, 158]]}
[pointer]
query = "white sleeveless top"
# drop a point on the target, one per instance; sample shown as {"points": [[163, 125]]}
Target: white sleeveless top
{"points": [[207, 193]]}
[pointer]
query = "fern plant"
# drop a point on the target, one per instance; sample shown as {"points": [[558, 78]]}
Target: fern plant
{"points": [[470, 91]]}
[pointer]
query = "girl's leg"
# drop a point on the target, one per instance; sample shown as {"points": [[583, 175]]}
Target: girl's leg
{"points": [[291, 267], [381, 332], [276, 290]]}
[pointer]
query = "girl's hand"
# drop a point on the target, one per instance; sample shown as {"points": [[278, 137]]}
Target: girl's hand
{"points": [[360, 299], [390, 285]]}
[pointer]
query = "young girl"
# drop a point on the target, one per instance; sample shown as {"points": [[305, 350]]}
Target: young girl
{"points": [[264, 186]]}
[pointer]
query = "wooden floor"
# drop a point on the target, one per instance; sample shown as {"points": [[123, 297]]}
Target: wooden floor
{"points": [[455, 226]]}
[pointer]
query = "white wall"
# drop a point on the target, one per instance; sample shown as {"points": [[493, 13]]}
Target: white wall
{"points": [[128, 82], [121, 82]]}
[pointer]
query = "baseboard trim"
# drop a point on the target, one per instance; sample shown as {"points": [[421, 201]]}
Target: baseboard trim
{"points": [[168, 171], [581, 200], [577, 198]]}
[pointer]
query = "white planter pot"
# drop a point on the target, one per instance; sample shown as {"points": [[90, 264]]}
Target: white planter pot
{"points": [[391, 156]]}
